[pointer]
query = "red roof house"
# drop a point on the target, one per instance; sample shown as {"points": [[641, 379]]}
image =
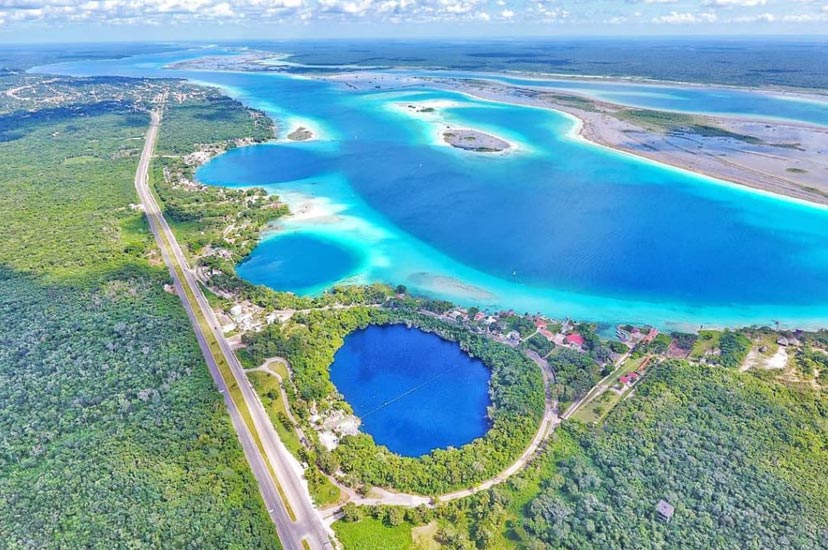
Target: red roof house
{"points": [[575, 339]]}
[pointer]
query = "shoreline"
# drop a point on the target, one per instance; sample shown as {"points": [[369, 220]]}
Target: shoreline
{"points": [[806, 94], [580, 128], [618, 308], [445, 133], [724, 161], [267, 61]]}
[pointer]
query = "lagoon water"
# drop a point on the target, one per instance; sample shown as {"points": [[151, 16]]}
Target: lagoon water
{"points": [[558, 226], [298, 262], [413, 391], [669, 97]]}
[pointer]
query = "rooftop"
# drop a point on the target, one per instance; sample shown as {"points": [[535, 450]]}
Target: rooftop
{"points": [[665, 509]]}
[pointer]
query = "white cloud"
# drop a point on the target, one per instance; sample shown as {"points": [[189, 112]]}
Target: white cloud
{"points": [[806, 17], [686, 18], [172, 12], [760, 18], [734, 3]]}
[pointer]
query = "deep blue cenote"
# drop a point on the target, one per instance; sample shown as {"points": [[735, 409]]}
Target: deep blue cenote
{"points": [[414, 391]]}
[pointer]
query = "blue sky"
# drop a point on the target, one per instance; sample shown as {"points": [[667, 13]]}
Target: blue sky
{"points": [[90, 20]]}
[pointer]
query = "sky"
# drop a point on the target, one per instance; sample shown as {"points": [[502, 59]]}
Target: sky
{"points": [[126, 20]]}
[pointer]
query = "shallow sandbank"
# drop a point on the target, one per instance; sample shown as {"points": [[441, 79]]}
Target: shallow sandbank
{"points": [[779, 157]]}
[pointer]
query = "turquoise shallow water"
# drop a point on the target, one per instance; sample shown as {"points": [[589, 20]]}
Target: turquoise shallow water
{"points": [[413, 391], [304, 264], [558, 226], [687, 99]]}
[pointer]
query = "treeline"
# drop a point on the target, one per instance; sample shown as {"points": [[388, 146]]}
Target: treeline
{"points": [[229, 220], [310, 341], [210, 118], [738, 457], [111, 431], [733, 347], [575, 374]]}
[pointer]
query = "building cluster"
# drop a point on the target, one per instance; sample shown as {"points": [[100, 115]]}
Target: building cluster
{"points": [[631, 335], [242, 317], [629, 379], [560, 333]]}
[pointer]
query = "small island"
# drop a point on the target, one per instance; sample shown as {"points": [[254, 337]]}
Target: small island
{"points": [[300, 134], [474, 140]]}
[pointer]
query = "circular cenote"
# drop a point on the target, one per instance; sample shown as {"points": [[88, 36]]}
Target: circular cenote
{"points": [[413, 391]]}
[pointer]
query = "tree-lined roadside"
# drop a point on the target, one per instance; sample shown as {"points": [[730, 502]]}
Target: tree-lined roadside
{"points": [[296, 520]]}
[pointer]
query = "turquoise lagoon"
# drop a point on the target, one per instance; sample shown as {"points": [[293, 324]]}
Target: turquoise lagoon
{"points": [[712, 100], [558, 225]]}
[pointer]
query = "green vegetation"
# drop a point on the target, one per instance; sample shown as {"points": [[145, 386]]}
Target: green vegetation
{"points": [[738, 457], [578, 102], [706, 343], [657, 346], [575, 374], [678, 123], [201, 217], [812, 364], [523, 325], [737, 454], [113, 432], [539, 344], [309, 342], [733, 347], [210, 119], [597, 408], [684, 340], [217, 226], [267, 386], [371, 534]]}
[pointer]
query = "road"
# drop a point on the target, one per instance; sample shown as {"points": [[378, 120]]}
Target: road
{"points": [[596, 390], [307, 527], [386, 497]]}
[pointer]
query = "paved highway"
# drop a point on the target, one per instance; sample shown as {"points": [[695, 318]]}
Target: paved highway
{"points": [[307, 525]]}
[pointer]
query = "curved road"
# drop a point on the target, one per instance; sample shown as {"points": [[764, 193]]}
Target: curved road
{"points": [[308, 527], [388, 497]]}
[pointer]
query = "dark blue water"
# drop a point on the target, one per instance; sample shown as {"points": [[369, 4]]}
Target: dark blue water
{"points": [[298, 263], [414, 391], [560, 225], [586, 220]]}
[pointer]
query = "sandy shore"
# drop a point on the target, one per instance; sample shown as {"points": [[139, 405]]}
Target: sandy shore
{"points": [[778, 157], [445, 133]]}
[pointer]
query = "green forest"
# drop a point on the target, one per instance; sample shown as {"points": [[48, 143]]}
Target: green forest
{"points": [[310, 341], [739, 456], [740, 459], [111, 431]]}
